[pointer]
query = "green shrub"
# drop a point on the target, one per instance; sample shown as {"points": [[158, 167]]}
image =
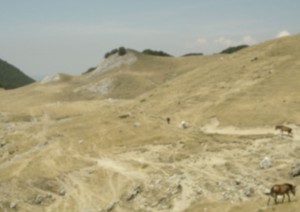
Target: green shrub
{"points": [[114, 51], [156, 53], [107, 54], [193, 54], [121, 51], [233, 49], [89, 70]]}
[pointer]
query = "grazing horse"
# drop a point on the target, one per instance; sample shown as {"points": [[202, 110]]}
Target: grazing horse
{"points": [[283, 128], [281, 189]]}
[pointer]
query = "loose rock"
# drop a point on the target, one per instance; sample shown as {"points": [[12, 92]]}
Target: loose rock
{"points": [[295, 170], [39, 199], [265, 163]]}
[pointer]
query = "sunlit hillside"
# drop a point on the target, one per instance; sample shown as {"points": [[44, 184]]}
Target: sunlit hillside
{"points": [[101, 141]]}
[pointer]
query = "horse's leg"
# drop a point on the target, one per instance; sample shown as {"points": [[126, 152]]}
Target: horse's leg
{"points": [[275, 199], [269, 200], [289, 196], [283, 198]]}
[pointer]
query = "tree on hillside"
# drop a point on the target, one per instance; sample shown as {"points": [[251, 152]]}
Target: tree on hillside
{"points": [[122, 51]]}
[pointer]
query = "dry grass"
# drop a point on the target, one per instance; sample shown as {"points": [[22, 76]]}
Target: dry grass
{"points": [[65, 147]]}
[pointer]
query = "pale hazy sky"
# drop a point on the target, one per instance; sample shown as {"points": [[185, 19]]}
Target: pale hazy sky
{"points": [[44, 37]]}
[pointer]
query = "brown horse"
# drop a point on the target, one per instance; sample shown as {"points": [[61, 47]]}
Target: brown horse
{"points": [[283, 128], [281, 189]]}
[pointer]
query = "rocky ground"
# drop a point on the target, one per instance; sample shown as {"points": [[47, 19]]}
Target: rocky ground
{"points": [[101, 142], [205, 168]]}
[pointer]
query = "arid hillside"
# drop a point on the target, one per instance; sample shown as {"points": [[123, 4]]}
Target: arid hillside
{"points": [[101, 141]]}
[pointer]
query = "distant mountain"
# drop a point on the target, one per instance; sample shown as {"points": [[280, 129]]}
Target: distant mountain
{"points": [[11, 77]]}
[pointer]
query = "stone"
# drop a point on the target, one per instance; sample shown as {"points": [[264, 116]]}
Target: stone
{"points": [[111, 206], [62, 192], [38, 199], [265, 163], [124, 116], [248, 192], [13, 205], [184, 125], [134, 193], [295, 170]]}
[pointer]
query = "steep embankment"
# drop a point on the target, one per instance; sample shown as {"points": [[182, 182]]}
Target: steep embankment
{"points": [[100, 141]]}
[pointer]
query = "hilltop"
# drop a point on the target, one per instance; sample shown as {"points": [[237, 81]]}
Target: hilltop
{"points": [[101, 142], [11, 77]]}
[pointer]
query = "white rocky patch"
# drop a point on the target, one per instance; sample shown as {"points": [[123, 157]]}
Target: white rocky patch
{"points": [[114, 61], [52, 78], [101, 87]]}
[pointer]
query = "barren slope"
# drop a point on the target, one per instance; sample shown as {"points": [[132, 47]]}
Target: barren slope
{"points": [[100, 142]]}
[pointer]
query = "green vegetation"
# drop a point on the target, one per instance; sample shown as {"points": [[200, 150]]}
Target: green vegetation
{"points": [[11, 77], [233, 49], [156, 53], [121, 51], [192, 54], [89, 70], [114, 51]]}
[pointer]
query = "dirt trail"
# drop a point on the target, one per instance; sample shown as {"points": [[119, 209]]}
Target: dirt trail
{"points": [[213, 126]]}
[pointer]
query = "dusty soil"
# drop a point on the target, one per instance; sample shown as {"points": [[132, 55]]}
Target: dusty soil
{"points": [[68, 145]]}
